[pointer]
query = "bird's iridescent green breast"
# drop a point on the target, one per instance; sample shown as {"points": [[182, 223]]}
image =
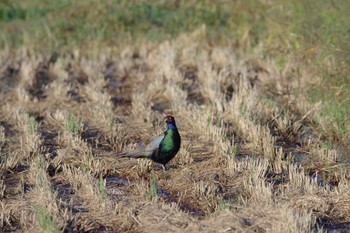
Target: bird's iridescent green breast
{"points": [[168, 143], [168, 147]]}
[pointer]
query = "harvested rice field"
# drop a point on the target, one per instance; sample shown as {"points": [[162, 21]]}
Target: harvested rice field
{"points": [[255, 154]]}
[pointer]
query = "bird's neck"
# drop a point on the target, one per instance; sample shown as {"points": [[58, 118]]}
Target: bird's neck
{"points": [[171, 126]]}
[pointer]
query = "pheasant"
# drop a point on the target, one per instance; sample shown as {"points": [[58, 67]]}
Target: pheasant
{"points": [[161, 149]]}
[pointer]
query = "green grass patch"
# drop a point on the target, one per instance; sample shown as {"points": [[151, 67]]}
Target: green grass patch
{"points": [[336, 108], [88, 158], [46, 223], [32, 124], [73, 123], [102, 187], [153, 188], [2, 135], [63, 25], [326, 27]]}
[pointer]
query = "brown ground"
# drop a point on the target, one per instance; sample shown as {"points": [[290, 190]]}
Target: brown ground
{"points": [[251, 160]]}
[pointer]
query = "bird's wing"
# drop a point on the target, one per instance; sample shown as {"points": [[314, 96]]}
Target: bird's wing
{"points": [[147, 151], [153, 145]]}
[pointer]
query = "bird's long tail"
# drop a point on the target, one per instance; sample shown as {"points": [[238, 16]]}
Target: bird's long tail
{"points": [[134, 154]]}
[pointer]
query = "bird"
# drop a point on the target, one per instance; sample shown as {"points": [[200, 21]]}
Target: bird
{"points": [[162, 148]]}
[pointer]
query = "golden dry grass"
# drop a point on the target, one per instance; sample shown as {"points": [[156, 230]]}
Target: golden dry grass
{"points": [[249, 161]]}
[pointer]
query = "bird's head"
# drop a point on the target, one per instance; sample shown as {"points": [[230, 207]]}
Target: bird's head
{"points": [[169, 119]]}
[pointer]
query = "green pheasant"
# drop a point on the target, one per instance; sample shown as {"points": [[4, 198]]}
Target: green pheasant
{"points": [[163, 148]]}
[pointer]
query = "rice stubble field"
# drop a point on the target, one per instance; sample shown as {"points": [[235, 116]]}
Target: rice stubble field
{"points": [[250, 160]]}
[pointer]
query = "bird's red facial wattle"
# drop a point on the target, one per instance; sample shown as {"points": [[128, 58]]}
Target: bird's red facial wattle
{"points": [[169, 119]]}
